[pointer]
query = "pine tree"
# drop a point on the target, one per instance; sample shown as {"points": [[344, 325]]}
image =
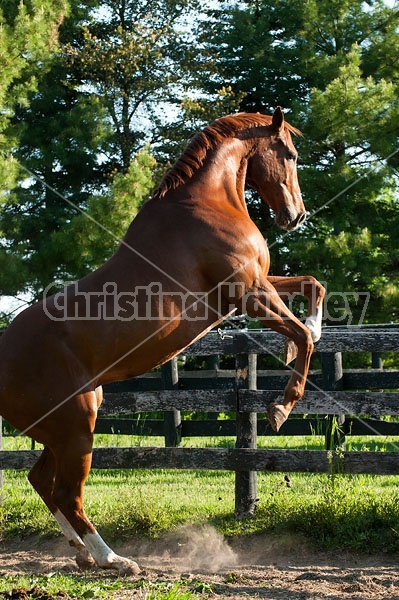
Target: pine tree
{"points": [[129, 54], [28, 34], [60, 133], [94, 234], [83, 123], [331, 65]]}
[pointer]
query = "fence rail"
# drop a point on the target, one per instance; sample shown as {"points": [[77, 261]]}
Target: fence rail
{"points": [[226, 459], [331, 392]]}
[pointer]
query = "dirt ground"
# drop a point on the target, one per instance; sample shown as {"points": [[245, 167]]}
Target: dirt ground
{"points": [[261, 567]]}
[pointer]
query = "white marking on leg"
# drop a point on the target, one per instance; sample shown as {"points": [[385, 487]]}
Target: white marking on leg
{"points": [[67, 529], [102, 553], [313, 323], [106, 558], [83, 559]]}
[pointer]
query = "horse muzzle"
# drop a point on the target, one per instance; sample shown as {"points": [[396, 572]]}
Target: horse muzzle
{"points": [[288, 220]]}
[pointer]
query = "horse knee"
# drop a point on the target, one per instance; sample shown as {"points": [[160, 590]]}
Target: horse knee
{"points": [[305, 342], [68, 490], [312, 286], [64, 498], [68, 494], [321, 290]]}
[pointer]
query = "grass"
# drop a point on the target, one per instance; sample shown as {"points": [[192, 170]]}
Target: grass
{"points": [[336, 512], [358, 513], [55, 586], [79, 587]]}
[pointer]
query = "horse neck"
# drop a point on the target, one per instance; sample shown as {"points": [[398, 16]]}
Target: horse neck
{"points": [[223, 173]]}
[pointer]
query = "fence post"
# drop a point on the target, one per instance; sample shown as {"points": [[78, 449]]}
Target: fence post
{"points": [[1, 472], [376, 361], [172, 418], [212, 362], [246, 481], [331, 366]]}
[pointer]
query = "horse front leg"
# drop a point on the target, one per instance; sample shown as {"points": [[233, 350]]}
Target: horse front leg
{"points": [[312, 289], [265, 304]]}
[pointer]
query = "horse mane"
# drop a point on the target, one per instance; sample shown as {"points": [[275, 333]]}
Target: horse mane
{"points": [[194, 155]]}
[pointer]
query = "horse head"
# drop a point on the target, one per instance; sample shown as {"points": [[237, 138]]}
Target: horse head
{"points": [[272, 172]]}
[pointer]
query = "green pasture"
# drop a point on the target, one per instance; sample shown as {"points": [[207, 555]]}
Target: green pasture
{"points": [[336, 512]]}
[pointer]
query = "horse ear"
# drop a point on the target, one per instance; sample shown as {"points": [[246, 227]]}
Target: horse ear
{"points": [[278, 119]]}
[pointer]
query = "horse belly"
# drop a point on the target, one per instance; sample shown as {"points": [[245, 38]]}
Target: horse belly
{"points": [[157, 347]]}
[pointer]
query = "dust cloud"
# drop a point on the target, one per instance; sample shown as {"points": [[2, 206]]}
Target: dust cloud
{"points": [[193, 548], [205, 549]]}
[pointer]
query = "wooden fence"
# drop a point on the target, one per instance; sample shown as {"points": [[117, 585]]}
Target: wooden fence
{"points": [[333, 396]]}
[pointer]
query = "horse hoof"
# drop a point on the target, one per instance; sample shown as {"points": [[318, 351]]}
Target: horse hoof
{"points": [[84, 561], [290, 351], [277, 414], [128, 567]]}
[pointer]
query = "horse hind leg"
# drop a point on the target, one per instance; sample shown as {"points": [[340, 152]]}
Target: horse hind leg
{"points": [[59, 477], [73, 461], [42, 476]]}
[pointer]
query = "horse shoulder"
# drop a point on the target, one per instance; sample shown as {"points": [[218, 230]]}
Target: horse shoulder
{"points": [[238, 252]]}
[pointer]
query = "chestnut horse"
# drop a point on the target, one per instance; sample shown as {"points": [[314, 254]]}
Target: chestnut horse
{"points": [[191, 257]]}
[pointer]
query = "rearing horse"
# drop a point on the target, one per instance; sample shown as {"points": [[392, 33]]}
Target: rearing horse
{"points": [[190, 258]]}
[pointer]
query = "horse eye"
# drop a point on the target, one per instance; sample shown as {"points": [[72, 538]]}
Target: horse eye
{"points": [[291, 156]]}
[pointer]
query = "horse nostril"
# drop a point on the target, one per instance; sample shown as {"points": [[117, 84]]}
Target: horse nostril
{"points": [[298, 220], [302, 218]]}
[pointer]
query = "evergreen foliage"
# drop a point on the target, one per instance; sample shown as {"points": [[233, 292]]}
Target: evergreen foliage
{"points": [[84, 88], [330, 65], [28, 35]]}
